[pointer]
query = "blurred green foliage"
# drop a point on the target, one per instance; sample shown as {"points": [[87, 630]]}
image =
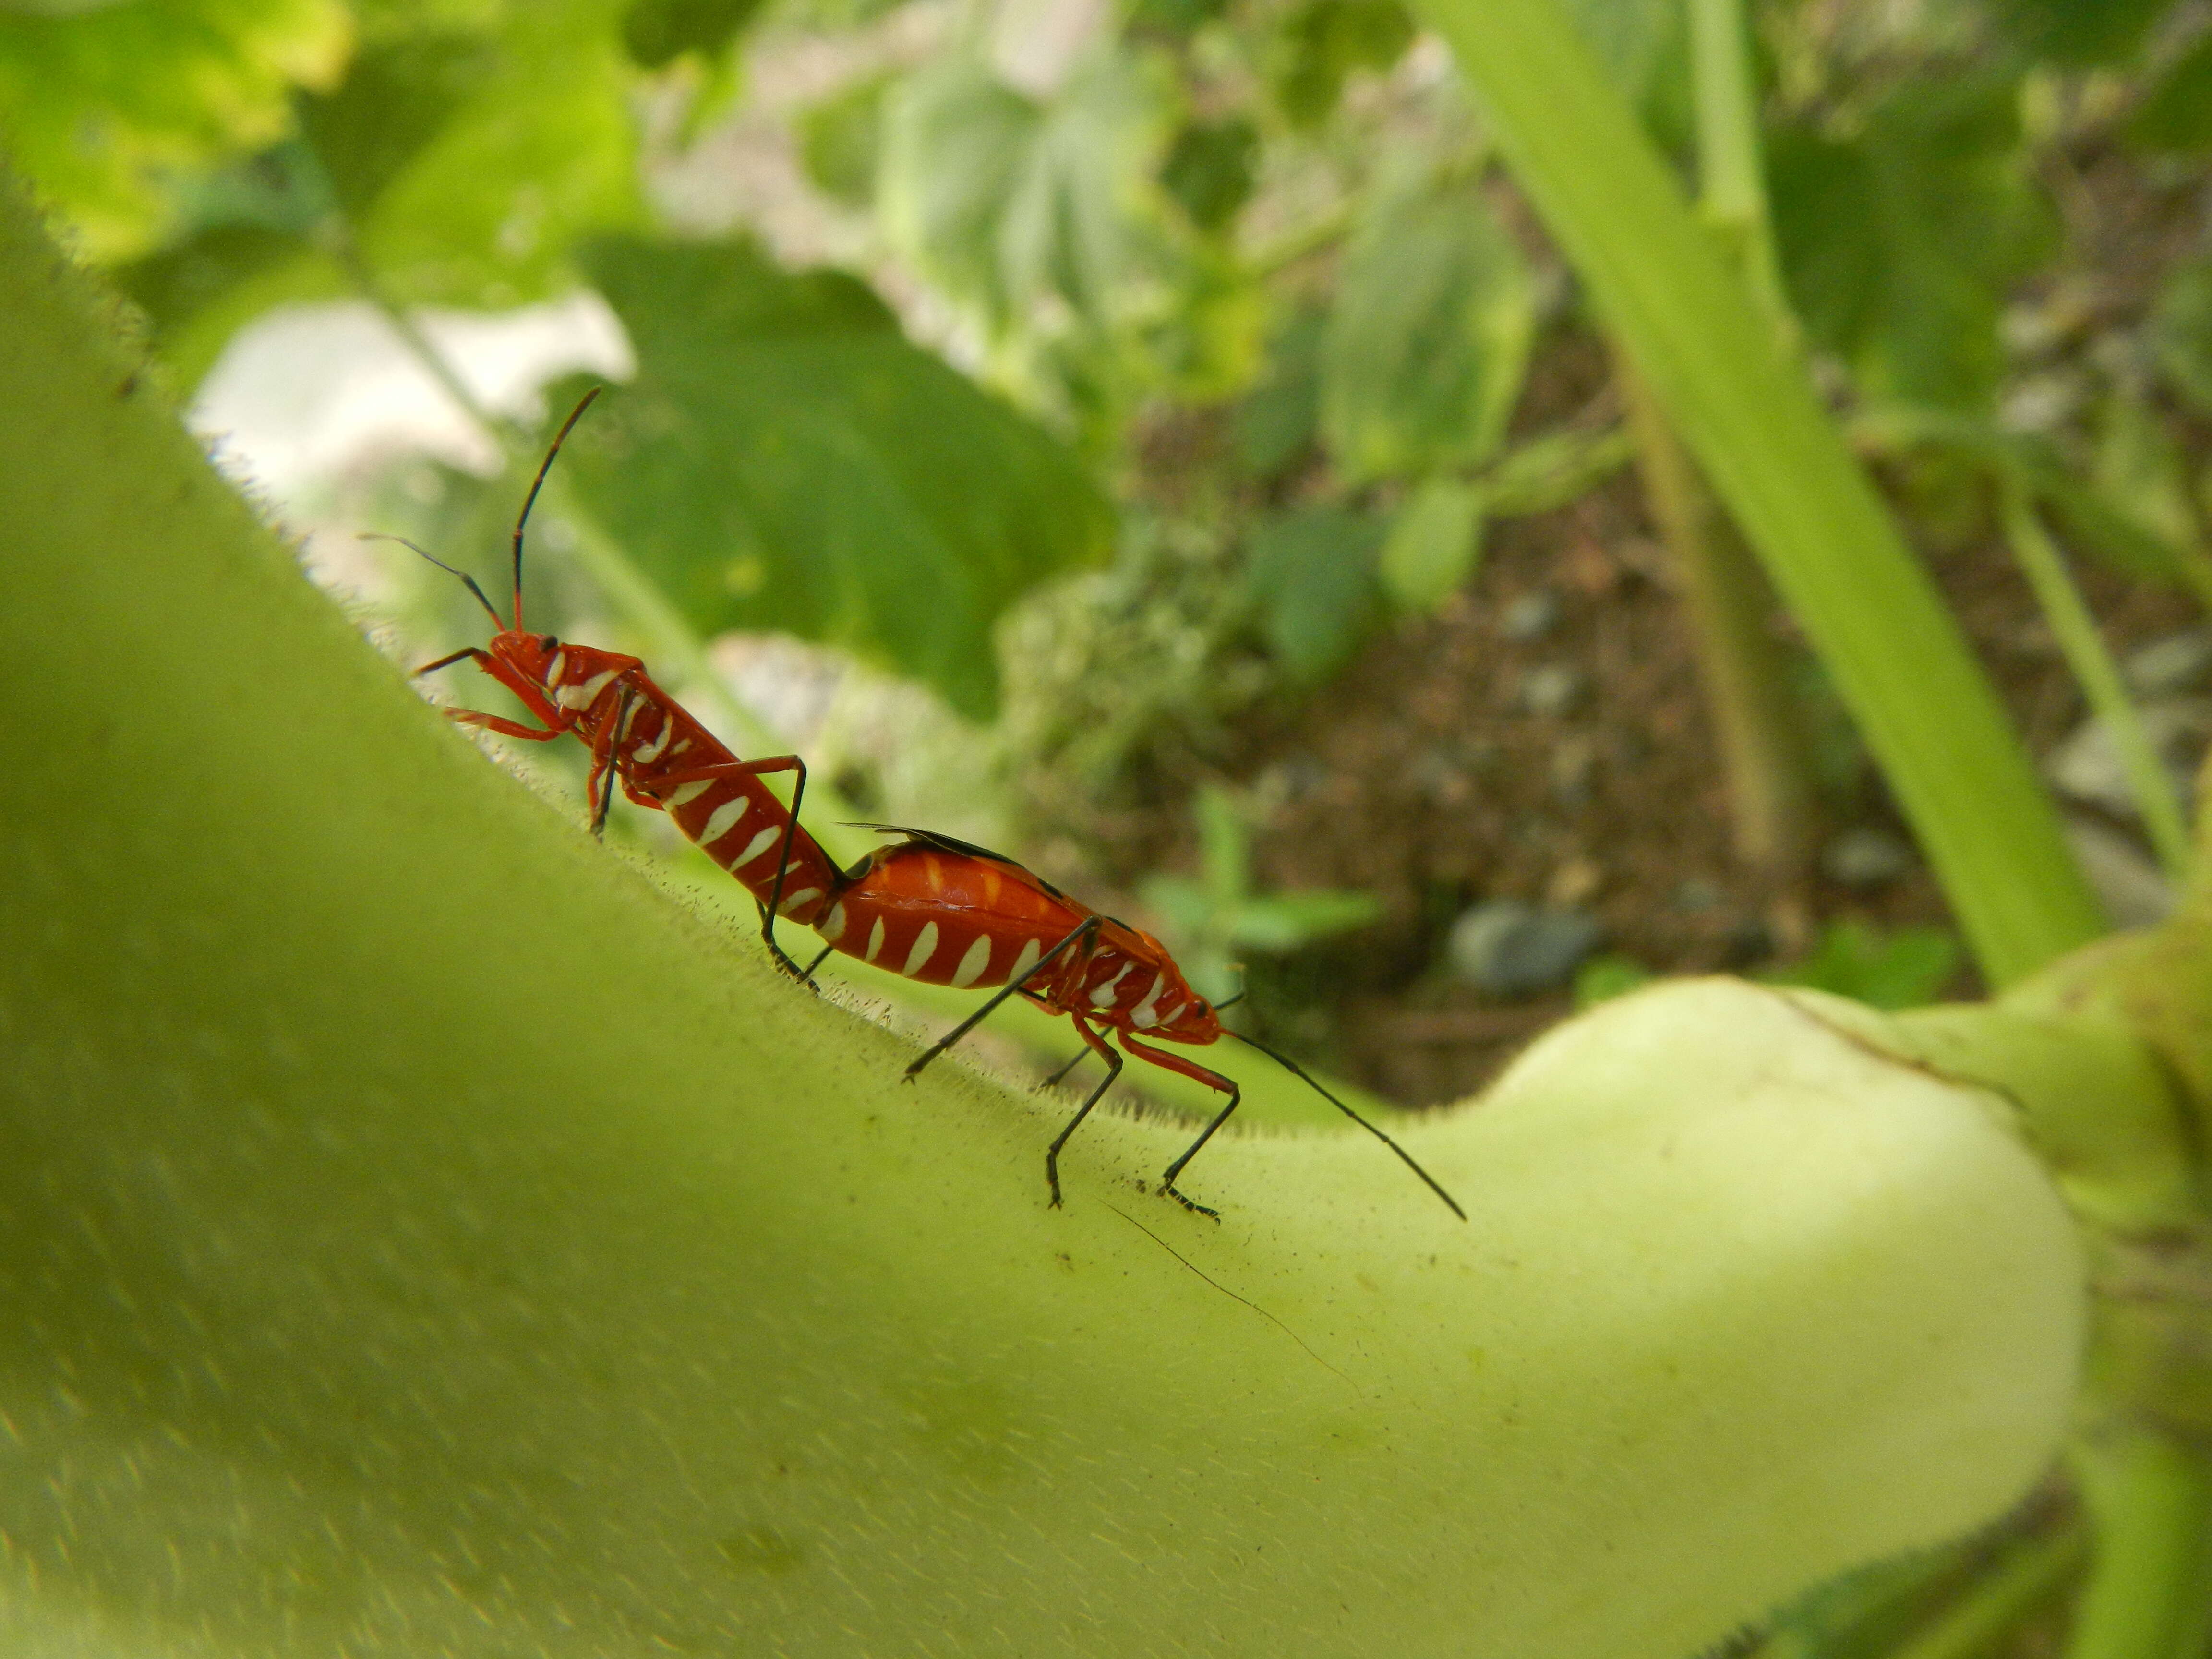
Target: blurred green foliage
{"points": [[786, 459]]}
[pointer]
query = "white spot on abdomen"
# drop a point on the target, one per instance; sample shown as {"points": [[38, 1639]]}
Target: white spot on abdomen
{"points": [[1145, 1014], [1030, 951], [974, 962], [925, 946], [685, 793], [832, 926], [797, 900], [760, 844], [1104, 996], [649, 751], [723, 820], [875, 941], [584, 695]]}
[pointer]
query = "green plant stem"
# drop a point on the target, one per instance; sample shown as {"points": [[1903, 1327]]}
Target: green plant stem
{"points": [[1748, 416], [2150, 1499], [2099, 676], [1996, 1603], [1725, 600], [1732, 179]]}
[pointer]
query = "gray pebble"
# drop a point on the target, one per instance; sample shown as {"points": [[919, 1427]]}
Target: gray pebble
{"points": [[1530, 617], [1865, 858], [1550, 690], [2176, 663], [1509, 949], [2086, 766]]}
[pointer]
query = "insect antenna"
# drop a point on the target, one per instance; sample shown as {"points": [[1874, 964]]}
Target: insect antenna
{"points": [[378, 535], [1290, 1064], [537, 483]]}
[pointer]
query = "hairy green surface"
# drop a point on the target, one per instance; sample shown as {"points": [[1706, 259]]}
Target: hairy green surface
{"points": [[417, 1234]]}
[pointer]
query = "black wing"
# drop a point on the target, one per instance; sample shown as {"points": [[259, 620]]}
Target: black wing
{"points": [[967, 848]]}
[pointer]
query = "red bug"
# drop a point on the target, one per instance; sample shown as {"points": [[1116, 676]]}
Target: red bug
{"points": [[641, 736], [947, 913]]}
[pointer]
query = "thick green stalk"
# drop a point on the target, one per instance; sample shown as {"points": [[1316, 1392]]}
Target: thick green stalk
{"points": [[2150, 1584], [1731, 177], [417, 1234], [1991, 1608], [1725, 599], [1778, 462], [2099, 676]]}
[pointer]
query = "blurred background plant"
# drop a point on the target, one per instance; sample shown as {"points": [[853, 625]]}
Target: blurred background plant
{"points": [[1162, 438]]}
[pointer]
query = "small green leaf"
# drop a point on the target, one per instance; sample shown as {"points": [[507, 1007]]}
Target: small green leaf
{"points": [[1209, 171], [2181, 333], [1430, 335], [1900, 243], [1434, 542], [1313, 576], [839, 140], [2076, 33], [786, 460], [2177, 112], [1602, 978], [1900, 970], [1286, 921], [1324, 41], [1277, 421], [1224, 847], [1005, 201], [658, 32]]}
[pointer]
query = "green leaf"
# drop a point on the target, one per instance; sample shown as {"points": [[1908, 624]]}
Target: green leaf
{"points": [[1323, 41], [104, 106], [1631, 37], [656, 32], [1224, 851], [1900, 244], [2177, 111], [1435, 540], [2181, 333], [1430, 334], [786, 460], [1277, 420], [539, 152], [1900, 969], [1313, 577], [1005, 201], [2076, 33], [1210, 170], [1292, 920], [840, 139]]}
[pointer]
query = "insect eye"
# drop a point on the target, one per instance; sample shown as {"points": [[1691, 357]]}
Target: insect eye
{"points": [[552, 643]]}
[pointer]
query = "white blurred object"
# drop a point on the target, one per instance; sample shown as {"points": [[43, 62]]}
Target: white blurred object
{"points": [[311, 393]]}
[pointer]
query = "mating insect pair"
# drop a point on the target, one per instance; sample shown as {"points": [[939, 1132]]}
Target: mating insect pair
{"points": [[928, 907]]}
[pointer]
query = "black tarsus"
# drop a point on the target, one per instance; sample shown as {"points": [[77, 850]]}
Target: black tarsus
{"points": [[1291, 1066], [782, 865], [1053, 1082], [535, 485], [1113, 1070], [1088, 925], [498, 621], [1167, 1180], [606, 801]]}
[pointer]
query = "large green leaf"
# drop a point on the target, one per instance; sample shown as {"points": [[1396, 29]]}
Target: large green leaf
{"points": [[101, 106], [1006, 200], [1899, 243], [786, 460], [1429, 339]]}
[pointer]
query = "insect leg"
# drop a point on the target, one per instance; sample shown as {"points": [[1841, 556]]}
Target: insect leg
{"points": [[1113, 1070], [1086, 930], [500, 723], [1053, 1082], [722, 769], [603, 764], [1198, 1073]]}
